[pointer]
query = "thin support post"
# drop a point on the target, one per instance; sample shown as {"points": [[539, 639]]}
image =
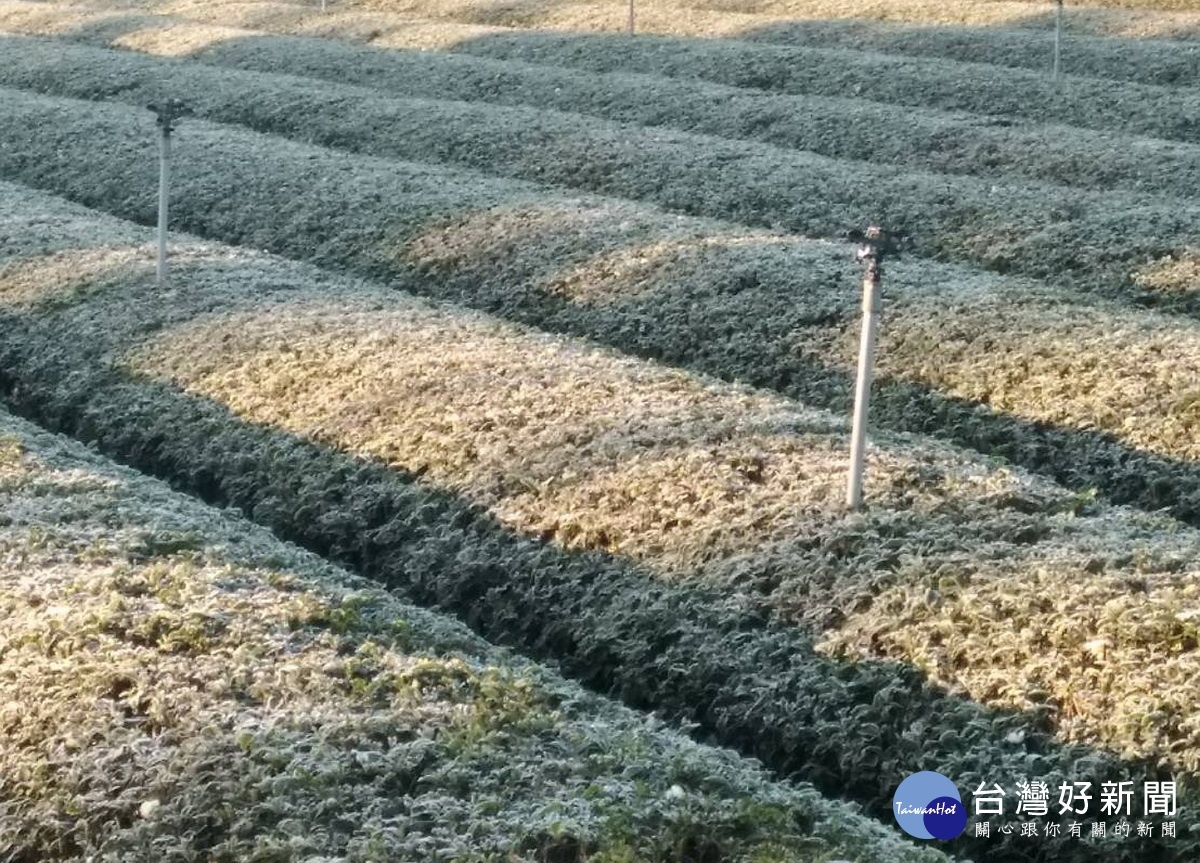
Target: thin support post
{"points": [[862, 392], [632, 19], [164, 181], [167, 113], [874, 244], [1058, 28]]}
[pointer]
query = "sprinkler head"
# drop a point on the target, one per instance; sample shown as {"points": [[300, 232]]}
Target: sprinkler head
{"points": [[168, 112], [876, 243]]}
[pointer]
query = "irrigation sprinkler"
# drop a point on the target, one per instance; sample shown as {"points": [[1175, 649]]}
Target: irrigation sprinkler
{"points": [[167, 113], [873, 246], [1058, 28], [631, 18]]}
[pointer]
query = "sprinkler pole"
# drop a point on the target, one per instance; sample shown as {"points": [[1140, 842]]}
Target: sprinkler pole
{"points": [[164, 181], [870, 253], [1058, 28], [167, 113]]}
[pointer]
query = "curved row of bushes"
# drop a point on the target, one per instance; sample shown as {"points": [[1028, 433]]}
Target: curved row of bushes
{"points": [[1143, 109], [1090, 103], [949, 216], [669, 287], [177, 683], [1144, 61], [837, 126], [78, 346], [1087, 239], [1141, 18]]}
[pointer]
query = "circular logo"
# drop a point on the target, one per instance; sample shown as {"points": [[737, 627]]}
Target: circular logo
{"points": [[928, 806]]}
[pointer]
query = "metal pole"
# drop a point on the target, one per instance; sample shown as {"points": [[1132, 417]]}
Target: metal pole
{"points": [[631, 18], [164, 178], [1058, 27], [871, 254], [167, 113]]}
